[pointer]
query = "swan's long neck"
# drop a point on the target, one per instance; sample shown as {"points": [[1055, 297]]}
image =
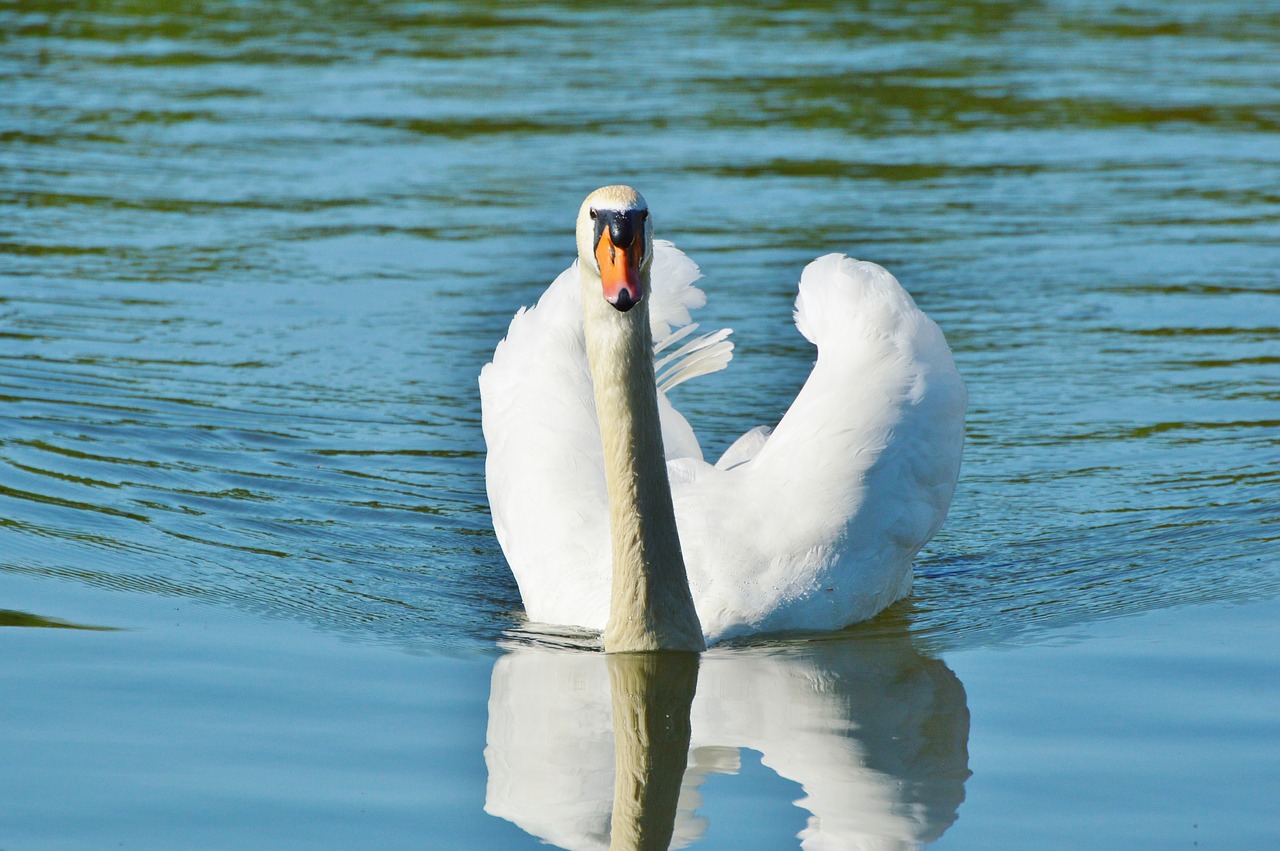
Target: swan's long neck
{"points": [[650, 606]]}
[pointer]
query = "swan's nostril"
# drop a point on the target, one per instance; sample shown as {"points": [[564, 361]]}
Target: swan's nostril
{"points": [[624, 301]]}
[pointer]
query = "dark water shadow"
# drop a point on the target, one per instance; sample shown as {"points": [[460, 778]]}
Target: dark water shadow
{"points": [[9, 617]]}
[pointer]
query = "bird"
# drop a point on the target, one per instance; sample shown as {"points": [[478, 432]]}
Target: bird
{"points": [[607, 512]]}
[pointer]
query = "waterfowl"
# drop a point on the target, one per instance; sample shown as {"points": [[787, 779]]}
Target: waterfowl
{"points": [[608, 514]]}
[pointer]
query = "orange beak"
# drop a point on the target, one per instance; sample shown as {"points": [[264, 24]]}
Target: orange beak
{"points": [[619, 271]]}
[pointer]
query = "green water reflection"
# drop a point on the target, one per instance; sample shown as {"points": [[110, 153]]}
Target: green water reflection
{"points": [[9, 617]]}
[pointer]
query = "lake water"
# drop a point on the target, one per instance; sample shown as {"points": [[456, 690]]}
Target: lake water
{"points": [[253, 256]]}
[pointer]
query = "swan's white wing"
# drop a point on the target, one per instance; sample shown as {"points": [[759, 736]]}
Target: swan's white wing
{"points": [[545, 468], [816, 525], [744, 448]]}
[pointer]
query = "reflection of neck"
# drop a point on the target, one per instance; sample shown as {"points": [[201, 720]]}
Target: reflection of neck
{"points": [[651, 695], [650, 607]]}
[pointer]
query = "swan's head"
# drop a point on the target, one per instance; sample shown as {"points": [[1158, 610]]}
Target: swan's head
{"points": [[615, 240]]}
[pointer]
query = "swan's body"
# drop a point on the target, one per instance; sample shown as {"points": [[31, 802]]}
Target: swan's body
{"points": [[813, 526]]}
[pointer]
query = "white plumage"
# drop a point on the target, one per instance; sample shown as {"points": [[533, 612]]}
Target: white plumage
{"points": [[812, 526]]}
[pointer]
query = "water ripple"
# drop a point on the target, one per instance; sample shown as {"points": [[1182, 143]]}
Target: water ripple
{"points": [[250, 266]]}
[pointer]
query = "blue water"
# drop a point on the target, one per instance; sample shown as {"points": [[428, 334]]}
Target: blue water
{"points": [[252, 258]]}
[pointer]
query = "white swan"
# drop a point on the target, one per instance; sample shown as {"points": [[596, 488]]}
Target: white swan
{"points": [[812, 526]]}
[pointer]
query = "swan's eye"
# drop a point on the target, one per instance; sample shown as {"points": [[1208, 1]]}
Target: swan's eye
{"points": [[644, 214], [593, 212]]}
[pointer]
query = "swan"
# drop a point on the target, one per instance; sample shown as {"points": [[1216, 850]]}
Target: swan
{"points": [[608, 514]]}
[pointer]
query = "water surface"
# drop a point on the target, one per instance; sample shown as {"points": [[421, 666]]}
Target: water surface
{"points": [[252, 258]]}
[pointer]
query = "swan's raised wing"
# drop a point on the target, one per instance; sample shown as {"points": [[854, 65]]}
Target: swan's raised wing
{"points": [[545, 467], [815, 525]]}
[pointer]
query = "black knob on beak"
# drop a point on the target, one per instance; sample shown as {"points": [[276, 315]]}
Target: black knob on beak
{"points": [[621, 229], [623, 225]]}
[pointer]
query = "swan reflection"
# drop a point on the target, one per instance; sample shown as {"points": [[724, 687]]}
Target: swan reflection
{"points": [[874, 732]]}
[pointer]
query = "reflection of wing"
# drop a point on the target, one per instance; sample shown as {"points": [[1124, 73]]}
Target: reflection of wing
{"points": [[550, 746], [876, 735], [874, 732]]}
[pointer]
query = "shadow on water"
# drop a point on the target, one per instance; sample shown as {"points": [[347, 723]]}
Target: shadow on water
{"points": [[874, 732], [9, 617]]}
